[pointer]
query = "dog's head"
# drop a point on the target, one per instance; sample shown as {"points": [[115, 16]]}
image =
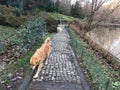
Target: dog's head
{"points": [[47, 40], [33, 62]]}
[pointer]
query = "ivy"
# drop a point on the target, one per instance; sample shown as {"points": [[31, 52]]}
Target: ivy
{"points": [[32, 32]]}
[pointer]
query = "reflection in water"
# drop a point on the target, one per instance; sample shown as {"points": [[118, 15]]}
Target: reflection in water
{"points": [[108, 38]]}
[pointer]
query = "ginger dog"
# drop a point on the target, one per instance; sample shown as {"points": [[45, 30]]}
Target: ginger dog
{"points": [[40, 55]]}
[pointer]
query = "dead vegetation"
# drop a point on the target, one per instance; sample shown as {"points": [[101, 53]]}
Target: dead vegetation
{"points": [[110, 60]]}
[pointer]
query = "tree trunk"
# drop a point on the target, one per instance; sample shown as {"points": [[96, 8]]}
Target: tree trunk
{"points": [[89, 22]]}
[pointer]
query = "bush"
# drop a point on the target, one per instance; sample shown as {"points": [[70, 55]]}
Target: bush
{"points": [[52, 25], [11, 16], [27, 36], [32, 32], [2, 19], [15, 21], [17, 12], [4, 10]]}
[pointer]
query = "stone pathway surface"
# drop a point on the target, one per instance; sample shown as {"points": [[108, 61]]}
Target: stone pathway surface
{"points": [[62, 71]]}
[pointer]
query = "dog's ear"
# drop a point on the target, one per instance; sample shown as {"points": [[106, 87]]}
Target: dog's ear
{"points": [[31, 60], [36, 60]]}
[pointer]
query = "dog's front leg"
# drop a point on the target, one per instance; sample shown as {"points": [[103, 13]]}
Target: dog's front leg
{"points": [[38, 71]]}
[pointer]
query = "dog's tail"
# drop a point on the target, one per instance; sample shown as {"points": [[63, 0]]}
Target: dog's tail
{"points": [[47, 40]]}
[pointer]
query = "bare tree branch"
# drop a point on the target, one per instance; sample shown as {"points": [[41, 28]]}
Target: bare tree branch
{"points": [[95, 6], [108, 12]]}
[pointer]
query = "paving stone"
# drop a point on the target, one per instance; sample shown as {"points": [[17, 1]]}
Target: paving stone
{"points": [[61, 65]]}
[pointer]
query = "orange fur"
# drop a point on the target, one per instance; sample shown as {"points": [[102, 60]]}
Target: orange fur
{"points": [[40, 55]]}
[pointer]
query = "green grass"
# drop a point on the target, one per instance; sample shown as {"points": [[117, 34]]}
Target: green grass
{"points": [[56, 16], [7, 33], [7, 37], [99, 73], [22, 64]]}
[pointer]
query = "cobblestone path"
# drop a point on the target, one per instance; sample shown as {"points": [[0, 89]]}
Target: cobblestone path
{"points": [[62, 71]]}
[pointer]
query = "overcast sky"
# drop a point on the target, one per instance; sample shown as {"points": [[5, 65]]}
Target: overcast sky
{"points": [[73, 1]]}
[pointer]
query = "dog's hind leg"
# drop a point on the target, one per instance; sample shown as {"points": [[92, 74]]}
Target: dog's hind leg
{"points": [[38, 71], [46, 62], [47, 57]]}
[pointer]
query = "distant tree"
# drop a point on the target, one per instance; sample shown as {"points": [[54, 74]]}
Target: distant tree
{"points": [[46, 5], [28, 5], [50, 6], [105, 13], [64, 6], [3, 2], [13, 3], [57, 5], [95, 7], [76, 10]]}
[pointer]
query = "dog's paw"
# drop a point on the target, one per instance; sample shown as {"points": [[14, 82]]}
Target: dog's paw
{"points": [[46, 62], [36, 76]]}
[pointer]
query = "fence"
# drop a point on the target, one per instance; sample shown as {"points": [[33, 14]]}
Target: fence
{"points": [[98, 74]]}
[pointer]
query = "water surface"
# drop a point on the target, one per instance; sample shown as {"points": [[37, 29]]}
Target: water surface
{"points": [[108, 38]]}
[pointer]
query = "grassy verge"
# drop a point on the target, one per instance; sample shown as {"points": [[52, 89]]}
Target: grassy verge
{"points": [[56, 16], [6, 32], [7, 37], [20, 65], [100, 76]]}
